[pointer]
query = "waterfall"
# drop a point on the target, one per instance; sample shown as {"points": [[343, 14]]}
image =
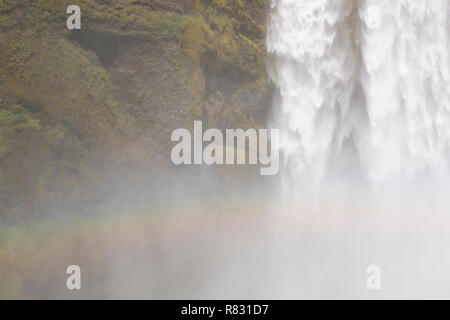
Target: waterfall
{"points": [[364, 116], [364, 93]]}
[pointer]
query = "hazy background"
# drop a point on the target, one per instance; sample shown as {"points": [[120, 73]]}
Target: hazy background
{"points": [[85, 170]]}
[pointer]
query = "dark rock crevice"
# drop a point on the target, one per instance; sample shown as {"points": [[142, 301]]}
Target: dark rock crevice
{"points": [[105, 45]]}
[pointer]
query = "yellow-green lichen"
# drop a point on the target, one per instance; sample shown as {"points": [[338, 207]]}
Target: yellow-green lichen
{"points": [[17, 121]]}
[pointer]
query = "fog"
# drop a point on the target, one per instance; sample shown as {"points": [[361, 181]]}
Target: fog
{"points": [[197, 241], [362, 103]]}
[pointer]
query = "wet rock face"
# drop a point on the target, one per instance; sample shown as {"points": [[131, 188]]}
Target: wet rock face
{"points": [[75, 105]]}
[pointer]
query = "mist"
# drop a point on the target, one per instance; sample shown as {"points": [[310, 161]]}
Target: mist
{"points": [[361, 99]]}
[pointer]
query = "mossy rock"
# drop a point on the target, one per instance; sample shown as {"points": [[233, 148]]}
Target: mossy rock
{"points": [[76, 105]]}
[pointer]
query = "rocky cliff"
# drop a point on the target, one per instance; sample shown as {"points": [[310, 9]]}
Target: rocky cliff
{"points": [[76, 105]]}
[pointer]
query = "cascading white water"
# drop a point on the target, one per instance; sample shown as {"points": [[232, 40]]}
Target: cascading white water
{"points": [[314, 68], [364, 91], [364, 113], [406, 81]]}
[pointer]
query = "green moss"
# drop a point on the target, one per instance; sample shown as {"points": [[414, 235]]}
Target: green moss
{"points": [[164, 25], [153, 24], [18, 121], [7, 20], [248, 16], [18, 53], [6, 6]]}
